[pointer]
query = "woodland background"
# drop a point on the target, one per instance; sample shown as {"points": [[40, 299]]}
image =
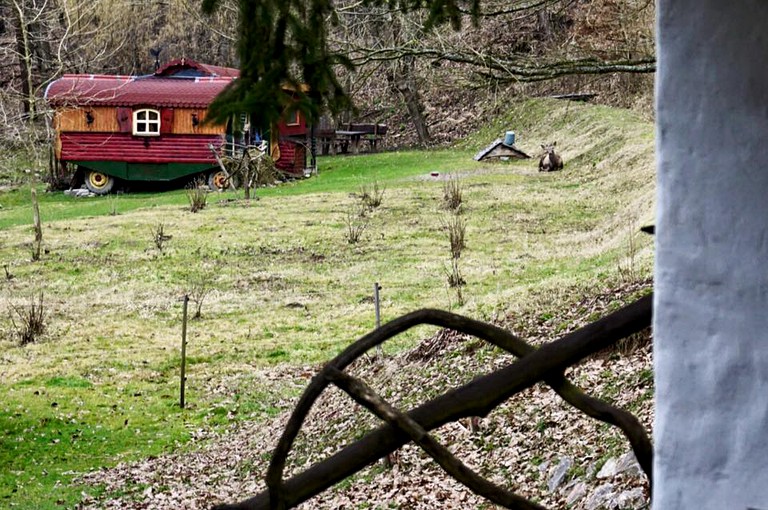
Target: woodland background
{"points": [[430, 86]]}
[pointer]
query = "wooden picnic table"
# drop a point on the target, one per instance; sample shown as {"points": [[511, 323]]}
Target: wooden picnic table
{"points": [[350, 135]]}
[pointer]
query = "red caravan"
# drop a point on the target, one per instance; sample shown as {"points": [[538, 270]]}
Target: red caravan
{"points": [[151, 128]]}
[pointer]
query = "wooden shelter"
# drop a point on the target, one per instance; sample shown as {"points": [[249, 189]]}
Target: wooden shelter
{"points": [[499, 149]]}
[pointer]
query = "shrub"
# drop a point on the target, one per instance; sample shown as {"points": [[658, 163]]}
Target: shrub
{"points": [[28, 322], [159, 237], [456, 229], [197, 194], [452, 194], [371, 196], [356, 222]]}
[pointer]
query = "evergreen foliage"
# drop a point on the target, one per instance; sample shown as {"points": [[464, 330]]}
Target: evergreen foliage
{"points": [[285, 60]]}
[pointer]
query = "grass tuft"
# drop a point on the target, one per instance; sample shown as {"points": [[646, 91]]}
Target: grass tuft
{"points": [[452, 194], [197, 194], [28, 322]]}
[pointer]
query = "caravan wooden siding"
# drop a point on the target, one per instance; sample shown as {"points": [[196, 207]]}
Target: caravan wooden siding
{"points": [[105, 120], [75, 120], [183, 123]]}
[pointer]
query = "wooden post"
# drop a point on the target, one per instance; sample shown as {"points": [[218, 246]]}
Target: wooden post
{"points": [[389, 459], [183, 351], [376, 303], [38, 227]]}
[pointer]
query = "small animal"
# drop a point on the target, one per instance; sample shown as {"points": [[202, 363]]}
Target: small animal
{"points": [[550, 162]]}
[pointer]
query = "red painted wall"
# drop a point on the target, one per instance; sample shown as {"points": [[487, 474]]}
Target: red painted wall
{"points": [[135, 149], [292, 158]]}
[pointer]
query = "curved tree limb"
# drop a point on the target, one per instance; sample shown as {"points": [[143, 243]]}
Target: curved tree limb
{"points": [[512, 68], [594, 407], [366, 397], [476, 398]]}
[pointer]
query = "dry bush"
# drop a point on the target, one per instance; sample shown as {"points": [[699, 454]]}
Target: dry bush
{"points": [[356, 222], [197, 194], [159, 237], [28, 322], [456, 228], [627, 264], [255, 168], [452, 194], [266, 172], [371, 196], [198, 290], [455, 279]]}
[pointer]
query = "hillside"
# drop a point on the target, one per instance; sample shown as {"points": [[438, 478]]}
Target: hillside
{"points": [[281, 289], [456, 79]]}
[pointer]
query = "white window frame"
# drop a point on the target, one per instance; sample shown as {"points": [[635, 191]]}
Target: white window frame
{"points": [[146, 122], [293, 119]]}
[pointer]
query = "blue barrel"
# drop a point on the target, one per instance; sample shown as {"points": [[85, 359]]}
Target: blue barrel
{"points": [[509, 138]]}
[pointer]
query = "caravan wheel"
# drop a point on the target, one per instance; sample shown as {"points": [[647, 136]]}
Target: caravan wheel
{"points": [[217, 181], [99, 183]]}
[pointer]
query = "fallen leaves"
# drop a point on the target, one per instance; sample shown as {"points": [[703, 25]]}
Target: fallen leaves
{"points": [[522, 444]]}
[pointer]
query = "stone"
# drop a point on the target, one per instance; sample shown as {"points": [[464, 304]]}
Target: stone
{"points": [[79, 193], [631, 499], [609, 468], [628, 464], [558, 473], [600, 497], [578, 491]]}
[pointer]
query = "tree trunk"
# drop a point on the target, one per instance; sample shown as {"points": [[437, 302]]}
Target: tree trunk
{"points": [[545, 25], [24, 51], [405, 83]]}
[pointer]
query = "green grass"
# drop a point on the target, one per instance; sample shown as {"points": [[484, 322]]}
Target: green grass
{"points": [[284, 287], [336, 174], [56, 428]]}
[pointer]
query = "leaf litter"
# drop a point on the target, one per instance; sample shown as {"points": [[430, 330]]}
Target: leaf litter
{"points": [[519, 445]]}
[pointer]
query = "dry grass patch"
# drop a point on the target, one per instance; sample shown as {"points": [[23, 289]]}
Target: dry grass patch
{"points": [[283, 285]]}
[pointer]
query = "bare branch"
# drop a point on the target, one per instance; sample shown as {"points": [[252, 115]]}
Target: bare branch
{"points": [[476, 398], [365, 396]]}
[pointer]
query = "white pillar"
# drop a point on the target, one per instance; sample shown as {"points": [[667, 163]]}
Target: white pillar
{"points": [[711, 309]]}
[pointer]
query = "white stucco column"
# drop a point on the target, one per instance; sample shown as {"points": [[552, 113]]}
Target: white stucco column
{"points": [[711, 309]]}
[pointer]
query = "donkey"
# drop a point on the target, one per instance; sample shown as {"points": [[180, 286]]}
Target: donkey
{"points": [[550, 161]]}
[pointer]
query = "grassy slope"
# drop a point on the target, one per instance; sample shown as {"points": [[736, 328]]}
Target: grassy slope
{"points": [[285, 286]]}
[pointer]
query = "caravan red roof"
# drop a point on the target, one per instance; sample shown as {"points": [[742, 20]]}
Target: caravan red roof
{"points": [[101, 90], [183, 64], [178, 83]]}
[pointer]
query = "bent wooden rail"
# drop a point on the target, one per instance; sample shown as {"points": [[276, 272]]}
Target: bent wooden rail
{"points": [[476, 398]]}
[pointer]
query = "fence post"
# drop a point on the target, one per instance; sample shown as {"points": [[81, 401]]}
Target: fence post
{"points": [[38, 227], [376, 303], [183, 376], [377, 308]]}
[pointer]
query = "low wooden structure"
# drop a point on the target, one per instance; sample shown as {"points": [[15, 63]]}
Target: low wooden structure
{"points": [[152, 128], [350, 137], [498, 149]]}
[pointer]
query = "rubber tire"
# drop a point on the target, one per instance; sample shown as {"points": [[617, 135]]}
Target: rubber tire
{"points": [[217, 181], [99, 183]]}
